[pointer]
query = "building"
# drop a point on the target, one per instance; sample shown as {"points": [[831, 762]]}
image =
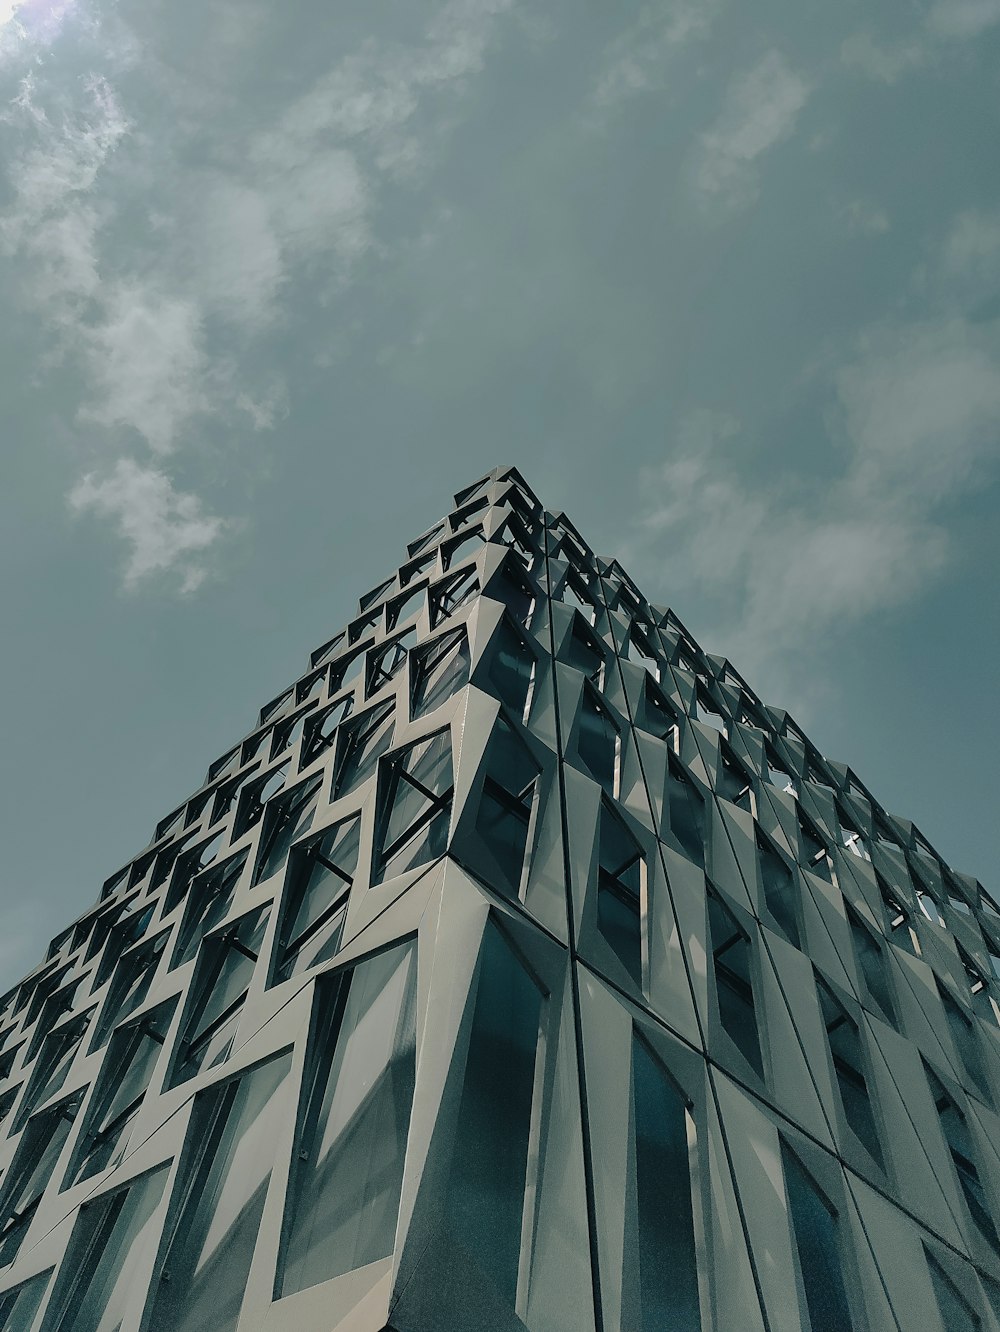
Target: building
{"points": [[519, 969]]}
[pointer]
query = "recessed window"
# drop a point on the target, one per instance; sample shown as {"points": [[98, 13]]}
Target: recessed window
{"points": [[731, 956], [620, 876], [54, 1063], [320, 875], [29, 1172], [288, 817], [598, 742], [222, 1189], [406, 607], [354, 1122], [208, 903], [686, 808], [256, 796], [779, 889], [218, 992], [873, 966], [583, 652], [385, 663], [503, 818], [814, 852], [957, 1315], [130, 985], [511, 586], [454, 552], [956, 1135], [451, 594], [320, 730], [966, 1041], [817, 1249], [362, 741], [439, 670], [846, 1052], [414, 807], [19, 1305], [512, 669], [110, 1254], [125, 1075]]}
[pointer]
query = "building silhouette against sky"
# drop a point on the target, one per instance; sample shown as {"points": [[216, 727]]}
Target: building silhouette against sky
{"points": [[519, 969]]}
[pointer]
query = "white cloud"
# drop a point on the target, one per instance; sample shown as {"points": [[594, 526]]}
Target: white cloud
{"points": [[946, 23], [865, 219], [760, 111], [882, 62], [962, 19], [166, 530], [637, 60], [787, 558]]}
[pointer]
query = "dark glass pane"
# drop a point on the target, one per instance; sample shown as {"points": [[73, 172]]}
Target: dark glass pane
{"points": [[208, 905], [512, 669], [687, 813], [343, 1198], [440, 670], [779, 890], [956, 1314], [19, 1306], [233, 1130], [320, 880], [814, 1226], [668, 1271], [734, 988], [414, 807], [597, 742], [619, 887], [873, 966], [845, 1048], [29, 1172], [288, 818], [486, 1191], [108, 1260]]}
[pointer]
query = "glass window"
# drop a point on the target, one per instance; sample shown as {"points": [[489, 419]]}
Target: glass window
{"points": [[965, 1038], [667, 1263], [385, 663], [686, 808], [19, 1306], [872, 963], [125, 1075], [223, 1186], [451, 594], [29, 1172], [598, 742], [779, 889], [218, 992], [734, 987], [620, 873], [815, 854], [54, 1062], [132, 980], [362, 742], [512, 669], [814, 1227], [320, 876], [454, 552], [485, 1200], [439, 670], [511, 587], [956, 1135], [208, 904], [404, 608], [848, 1062], [347, 1170], [110, 1253], [957, 1315], [320, 729], [503, 819], [288, 817], [584, 653], [256, 796], [414, 807]]}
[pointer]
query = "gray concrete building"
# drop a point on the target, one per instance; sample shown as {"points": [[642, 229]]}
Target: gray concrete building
{"points": [[519, 969]]}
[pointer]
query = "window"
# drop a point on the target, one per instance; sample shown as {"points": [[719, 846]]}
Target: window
{"points": [[776, 773], [957, 1315], [814, 851], [209, 900], [362, 742], [667, 1263], [320, 730], [222, 1189], [110, 1252], [405, 607], [735, 782], [872, 965], [124, 934], [454, 552], [218, 992], [817, 1248], [487, 1190], [598, 742], [642, 649], [133, 977], [956, 1135], [125, 1075], [33, 1163], [584, 653], [511, 587], [439, 670], [503, 819], [451, 594], [190, 864], [707, 712], [965, 1038], [734, 988], [657, 716], [414, 806], [846, 1052], [288, 817], [385, 663], [779, 889], [686, 808], [512, 669], [320, 876], [896, 915], [620, 875], [54, 1062], [19, 1305], [256, 796], [347, 1170]]}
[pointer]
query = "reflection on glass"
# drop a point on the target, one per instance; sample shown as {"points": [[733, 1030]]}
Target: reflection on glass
{"points": [[343, 1197]]}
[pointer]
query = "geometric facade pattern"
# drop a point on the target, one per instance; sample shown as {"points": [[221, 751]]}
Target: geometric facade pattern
{"points": [[520, 969]]}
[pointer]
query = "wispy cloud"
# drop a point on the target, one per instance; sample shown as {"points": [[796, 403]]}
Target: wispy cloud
{"points": [[944, 24], [760, 110], [638, 60], [788, 559], [166, 531], [864, 218], [158, 330]]}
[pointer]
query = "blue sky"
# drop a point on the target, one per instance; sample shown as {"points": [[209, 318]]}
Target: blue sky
{"points": [[722, 279]]}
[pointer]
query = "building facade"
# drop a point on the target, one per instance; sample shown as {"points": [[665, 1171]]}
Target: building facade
{"points": [[520, 969]]}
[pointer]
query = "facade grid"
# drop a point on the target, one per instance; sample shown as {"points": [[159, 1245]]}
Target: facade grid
{"points": [[520, 969]]}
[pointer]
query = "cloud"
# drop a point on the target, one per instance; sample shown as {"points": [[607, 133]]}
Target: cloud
{"points": [[946, 23], [883, 63], [166, 530], [962, 19], [637, 60], [760, 111], [865, 219], [788, 559]]}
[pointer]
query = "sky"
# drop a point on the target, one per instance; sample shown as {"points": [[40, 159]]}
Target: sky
{"points": [[722, 279]]}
